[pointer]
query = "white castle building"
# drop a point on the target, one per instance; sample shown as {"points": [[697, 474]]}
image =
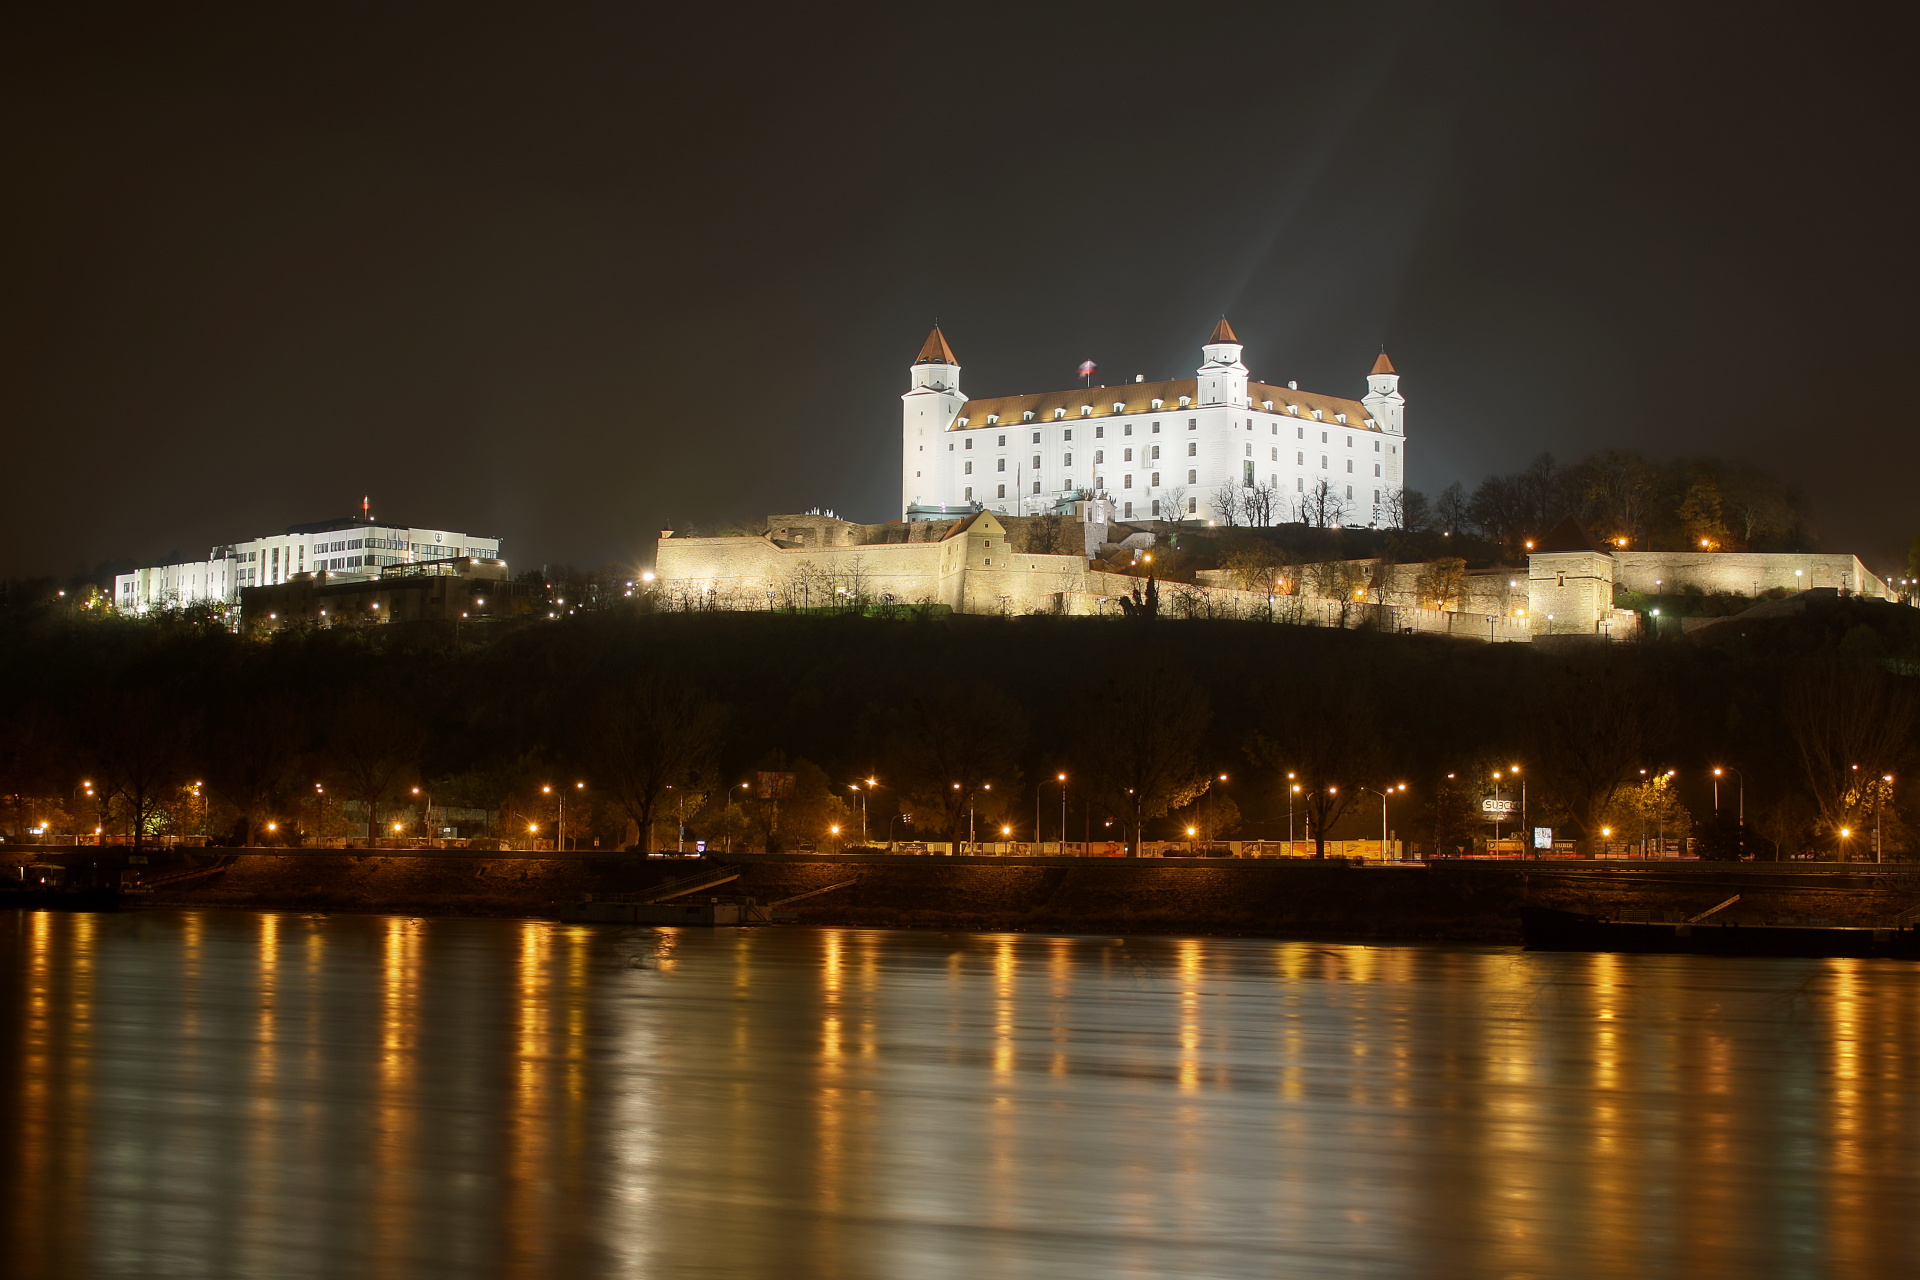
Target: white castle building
{"points": [[1157, 450], [346, 549]]}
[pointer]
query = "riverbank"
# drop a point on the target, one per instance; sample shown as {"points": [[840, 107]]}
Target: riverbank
{"points": [[1468, 901]]}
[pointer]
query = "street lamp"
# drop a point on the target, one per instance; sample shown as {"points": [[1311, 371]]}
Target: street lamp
{"points": [[1061, 778], [1293, 789], [1879, 803]]}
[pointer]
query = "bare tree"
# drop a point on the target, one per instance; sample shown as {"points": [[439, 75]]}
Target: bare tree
{"points": [[1226, 503], [1850, 722], [1139, 739], [647, 734], [1173, 504], [1451, 509], [1325, 733], [373, 745], [1596, 722], [139, 744], [1259, 505], [1320, 506], [950, 746]]}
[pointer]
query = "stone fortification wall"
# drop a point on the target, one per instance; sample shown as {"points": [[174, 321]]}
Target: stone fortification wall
{"points": [[1741, 573], [753, 573]]}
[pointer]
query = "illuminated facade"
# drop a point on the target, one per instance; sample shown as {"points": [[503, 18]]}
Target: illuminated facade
{"points": [[1158, 450], [351, 548]]}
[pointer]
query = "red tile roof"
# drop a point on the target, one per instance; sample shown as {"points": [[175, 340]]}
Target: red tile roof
{"points": [[1222, 332], [1382, 365], [935, 349]]}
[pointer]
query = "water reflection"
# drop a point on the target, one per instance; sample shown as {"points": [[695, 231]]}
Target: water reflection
{"points": [[284, 1095]]}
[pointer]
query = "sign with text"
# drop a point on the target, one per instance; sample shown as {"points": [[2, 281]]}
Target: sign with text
{"points": [[776, 786], [1543, 837], [1498, 806]]}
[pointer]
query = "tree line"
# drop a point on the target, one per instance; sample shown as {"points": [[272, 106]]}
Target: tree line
{"points": [[655, 726]]}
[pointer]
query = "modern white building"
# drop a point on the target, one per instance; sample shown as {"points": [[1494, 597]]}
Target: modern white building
{"points": [[346, 549], [1158, 450]]}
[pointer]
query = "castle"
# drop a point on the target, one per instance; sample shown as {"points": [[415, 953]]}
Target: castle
{"points": [[1156, 450], [1041, 504]]}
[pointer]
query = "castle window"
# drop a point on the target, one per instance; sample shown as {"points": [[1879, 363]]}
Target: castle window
{"points": [[1100, 432], [1157, 402], [1099, 456], [1085, 409], [1323, 462], [1069, 461], [1193, 477], [1349, 466], [1299, 433], [1376, 497], [1276, 454], [1156, 453], [1349, 491], [1323, 437], [1126, 455], [1027, 416], [969, 442], [1156, 481], [949, 446], [969, 470], [1563, 580], [1376, 446], [1156, 428], [1299, 484], [1003, 442], [965, 421], [1036, 437], [1185, 401], [1036, 486], [1249, 451], [992, 418], [1192, 504], [1000, 464], [1003, 493], [1036, 462], [1349, 442], [1069, 434], [1376, 469], [1129, 510], [1156, 506], [1193, 448], [1059, 413], [1192, 423], [1126, 481], [1119, 406], [1127, 430], [969, 493]]}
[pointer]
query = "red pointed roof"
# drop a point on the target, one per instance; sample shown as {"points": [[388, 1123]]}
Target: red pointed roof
{"points": [[1222, 332], [1382, 365], [935, 349]]}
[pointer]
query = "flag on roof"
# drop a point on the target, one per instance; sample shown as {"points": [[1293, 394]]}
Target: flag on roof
{"points": [[1087, 367]]}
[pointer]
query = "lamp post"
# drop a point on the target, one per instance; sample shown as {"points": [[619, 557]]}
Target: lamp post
{"points": [[426, 814], [1879, 803], [1061, 778], [1383, 794], [1293, 789]]}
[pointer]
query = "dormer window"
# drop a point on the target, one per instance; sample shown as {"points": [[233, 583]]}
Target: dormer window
{"points": [[1319, 416], [1370, 424], [1294, 409], [1340, 418], [964, 421], [1267, 405], [1185, 401], [1059, 413], [1027, 416], [992, 418], [1157, 402], [1119, 406], [1086, 410]]}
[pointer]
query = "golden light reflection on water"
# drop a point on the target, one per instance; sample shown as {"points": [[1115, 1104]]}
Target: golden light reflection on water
{"points": [[290, 1095]]}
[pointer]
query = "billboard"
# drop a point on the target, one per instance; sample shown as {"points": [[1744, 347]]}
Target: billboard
{"points": [[776, 786], [1543, 837], [1500, 806]]}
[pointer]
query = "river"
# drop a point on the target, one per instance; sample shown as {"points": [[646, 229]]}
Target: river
{"points": [[224, 1093]]}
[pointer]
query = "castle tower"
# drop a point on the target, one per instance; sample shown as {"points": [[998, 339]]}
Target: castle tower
{"points": [[1223, 379], [1383, 398], [927, 409]]}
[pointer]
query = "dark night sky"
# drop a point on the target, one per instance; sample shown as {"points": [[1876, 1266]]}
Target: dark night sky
{"points": [[568, 274]]}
